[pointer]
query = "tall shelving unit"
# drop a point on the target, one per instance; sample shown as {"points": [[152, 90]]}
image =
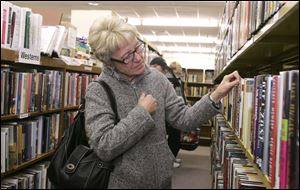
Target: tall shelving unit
{"points": [[197, 86], [271, 48], [9, 60], [276, 42]]}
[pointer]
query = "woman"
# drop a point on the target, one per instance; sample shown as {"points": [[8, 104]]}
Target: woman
{"points": [[145, 100]]}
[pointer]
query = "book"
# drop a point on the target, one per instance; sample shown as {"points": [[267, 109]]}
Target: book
{"points": [[273, 129], [293, 127]]}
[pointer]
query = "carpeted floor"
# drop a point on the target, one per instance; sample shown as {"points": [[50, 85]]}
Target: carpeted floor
{"points": [[194, 172]]}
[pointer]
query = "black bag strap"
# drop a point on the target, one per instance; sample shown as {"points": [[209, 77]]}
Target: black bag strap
{"points": [[111, 97]]}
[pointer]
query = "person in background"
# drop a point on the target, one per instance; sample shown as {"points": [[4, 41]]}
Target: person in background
{"points": [[179, 87], [173, 134], [146, 100]]}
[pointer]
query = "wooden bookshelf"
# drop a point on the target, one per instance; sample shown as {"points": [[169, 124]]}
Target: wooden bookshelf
{"points": [[9, 59], [28, 163], [11, 56], [28, 115], [195, 76], [83, 69]]}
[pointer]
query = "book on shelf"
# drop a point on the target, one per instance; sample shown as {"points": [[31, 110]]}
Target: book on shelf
{"points": [[20, 28], [269, 113], [247, 19], [53, 38], [34, 177], [33, 98], [30, 91], [248, 86], [235, 167], [208, 76], [294, 133], [273, 129]]}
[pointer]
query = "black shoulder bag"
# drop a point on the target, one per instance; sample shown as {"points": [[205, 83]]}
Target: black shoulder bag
{"points": [[74, 164]]}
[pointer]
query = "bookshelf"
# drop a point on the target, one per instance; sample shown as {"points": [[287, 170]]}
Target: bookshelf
{"points": [[265, 50], [198, 82], [9, 62], [195, 75], [264, 178], [276, 39]]}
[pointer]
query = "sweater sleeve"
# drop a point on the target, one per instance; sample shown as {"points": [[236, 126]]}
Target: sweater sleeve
{"points": [[187, 118]]}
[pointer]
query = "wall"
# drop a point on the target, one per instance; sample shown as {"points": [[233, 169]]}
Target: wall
{"points": [[83, 19], [192, 60]]}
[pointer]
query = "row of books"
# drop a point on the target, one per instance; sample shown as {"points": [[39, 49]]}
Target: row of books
{"points": [[75, 87], [248, 18], [34, 177], [53, 39], [200, 76], [264, 113], [198, 90], [25, 140], [20, 27], [231, 168], [23, 92], [195, 77], [226, 18], [23, 29]]}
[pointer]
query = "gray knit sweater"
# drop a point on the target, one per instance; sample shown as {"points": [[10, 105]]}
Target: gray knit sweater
{"points": [[137, 145]]}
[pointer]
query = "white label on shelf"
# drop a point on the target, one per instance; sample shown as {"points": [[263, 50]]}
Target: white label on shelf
{"points": [[276, 17], [29, 56], [87, 68], [24, 115]]}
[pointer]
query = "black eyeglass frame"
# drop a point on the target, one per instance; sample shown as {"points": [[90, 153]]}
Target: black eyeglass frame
{"points": [[133, 53]]}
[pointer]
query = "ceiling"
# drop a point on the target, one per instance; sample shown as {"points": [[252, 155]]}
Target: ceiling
{"points": [[209, 11]]}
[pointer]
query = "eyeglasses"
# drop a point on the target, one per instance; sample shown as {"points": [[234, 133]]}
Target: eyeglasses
{"points": [[130, 57]]}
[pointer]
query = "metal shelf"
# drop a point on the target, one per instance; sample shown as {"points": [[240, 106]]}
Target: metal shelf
{"points": [[279, 35], [262, 176]]}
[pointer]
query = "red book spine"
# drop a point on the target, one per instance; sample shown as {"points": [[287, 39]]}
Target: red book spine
{"points": [[273, 135]]}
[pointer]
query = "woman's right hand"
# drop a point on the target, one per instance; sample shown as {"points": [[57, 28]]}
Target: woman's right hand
{"points": [[148, 102], [229, 81]]}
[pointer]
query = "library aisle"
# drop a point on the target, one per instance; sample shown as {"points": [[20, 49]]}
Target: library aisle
{"points": [[194, 172]]}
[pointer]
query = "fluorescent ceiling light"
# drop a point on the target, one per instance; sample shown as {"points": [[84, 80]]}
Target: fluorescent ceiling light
{"points": [[179, 39], [134, 21], [181, 22], [186, 49], [190, 55], [93, 3]]}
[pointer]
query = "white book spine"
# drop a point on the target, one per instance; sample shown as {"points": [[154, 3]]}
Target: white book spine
{"points": [[4, 23], [17, 25], [3, 151]]}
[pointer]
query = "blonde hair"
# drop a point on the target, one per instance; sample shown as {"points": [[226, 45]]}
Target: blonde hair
{"points": [[176, 67], [106, 35]]}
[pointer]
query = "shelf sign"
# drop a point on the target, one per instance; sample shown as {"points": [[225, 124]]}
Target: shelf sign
{"points": [[87, 68], [29, 56], [24, 115]]}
